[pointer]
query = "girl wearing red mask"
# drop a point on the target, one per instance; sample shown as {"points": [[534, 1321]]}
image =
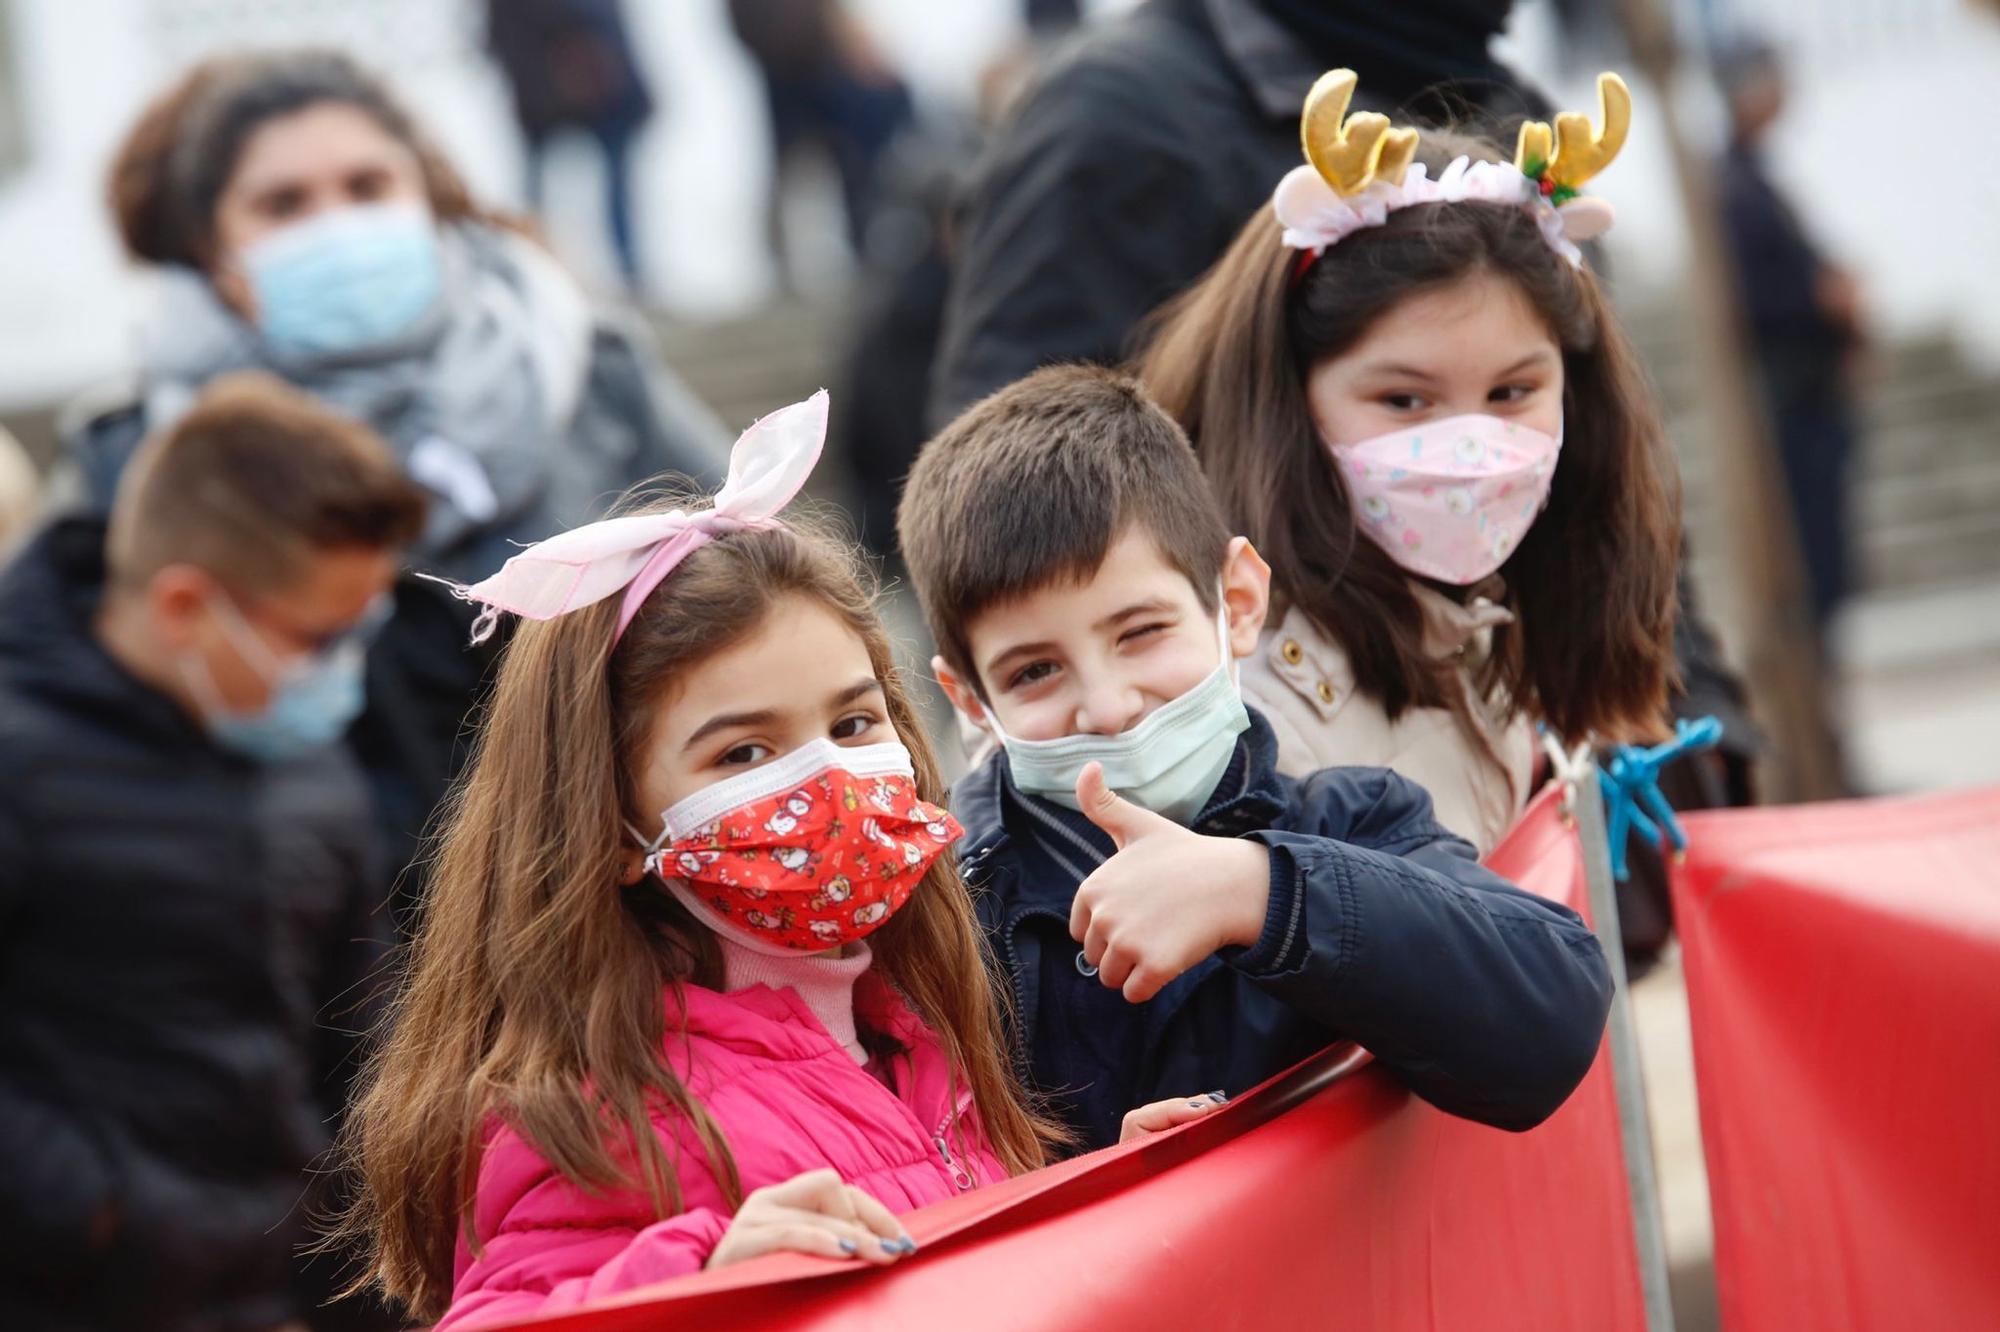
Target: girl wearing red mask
{"points": [[695, 981]]}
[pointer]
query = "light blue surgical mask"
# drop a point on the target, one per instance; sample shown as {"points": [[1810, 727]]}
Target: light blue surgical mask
{"points": [[313, 699], [1169, 763], [345, 281]]}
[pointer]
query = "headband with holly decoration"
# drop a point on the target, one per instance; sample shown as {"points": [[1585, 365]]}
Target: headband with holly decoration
{"points": [[1361, 170]]}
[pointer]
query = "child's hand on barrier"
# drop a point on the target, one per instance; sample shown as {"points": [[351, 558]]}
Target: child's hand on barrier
{"points": [[813, 1213], [1167, 899], [1163, 1115]]}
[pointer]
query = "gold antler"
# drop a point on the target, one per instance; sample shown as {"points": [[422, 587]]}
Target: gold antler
{"points": [[1534, 148], [1582, 151], [1351, 152]]}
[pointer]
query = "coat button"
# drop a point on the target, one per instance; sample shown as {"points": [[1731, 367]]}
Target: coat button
{"points": [[1292, 652], [1326, 692]]}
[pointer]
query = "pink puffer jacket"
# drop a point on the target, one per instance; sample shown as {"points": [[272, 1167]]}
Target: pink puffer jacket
{"points": [[788, 1100]]}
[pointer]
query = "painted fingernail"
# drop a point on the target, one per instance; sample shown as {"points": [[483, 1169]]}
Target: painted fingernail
{"points": [[1194, 1105], [849, 1246], [1218, 1097]]}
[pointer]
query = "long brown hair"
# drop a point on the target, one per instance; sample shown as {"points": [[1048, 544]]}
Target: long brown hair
{"points": [[533, 976], [1592, 584], [179, 156]]}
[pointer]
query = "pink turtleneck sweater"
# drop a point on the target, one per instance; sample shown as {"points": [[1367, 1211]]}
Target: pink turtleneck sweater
{"points": [[824, 980]]}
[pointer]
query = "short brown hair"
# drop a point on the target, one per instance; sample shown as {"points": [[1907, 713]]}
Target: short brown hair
{"points": [[251, 483], [1034, 483]]}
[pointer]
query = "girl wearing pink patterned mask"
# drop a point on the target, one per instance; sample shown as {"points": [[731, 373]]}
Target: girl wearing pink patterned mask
{"points": [[1410, 393]]}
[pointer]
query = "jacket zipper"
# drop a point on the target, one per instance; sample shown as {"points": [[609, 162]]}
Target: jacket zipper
{"points": [[1019, 981], [959, 1174]]}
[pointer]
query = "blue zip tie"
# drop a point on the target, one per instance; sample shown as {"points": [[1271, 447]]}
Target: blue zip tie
{"points": [[1631, 789]]}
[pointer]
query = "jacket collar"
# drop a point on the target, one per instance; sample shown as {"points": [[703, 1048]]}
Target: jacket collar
{"points": [[49, 596], [1251, 795], [777, 1024], [1273, 64]]}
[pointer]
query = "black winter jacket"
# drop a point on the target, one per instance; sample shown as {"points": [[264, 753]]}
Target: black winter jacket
{"points": [[1382, 928], [183, 938]]}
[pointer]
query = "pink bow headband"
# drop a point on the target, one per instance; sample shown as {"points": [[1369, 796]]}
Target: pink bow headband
{"points": [[578, 568]]}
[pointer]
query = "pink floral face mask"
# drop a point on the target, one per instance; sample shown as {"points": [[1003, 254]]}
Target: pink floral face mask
{"points": [[1450, 499]]}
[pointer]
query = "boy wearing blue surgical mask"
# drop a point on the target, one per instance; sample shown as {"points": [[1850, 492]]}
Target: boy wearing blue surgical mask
{"points": [[1172, 910], [189, 875]]}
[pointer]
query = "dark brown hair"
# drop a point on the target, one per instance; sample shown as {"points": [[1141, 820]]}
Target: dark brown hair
{"points": [[1034, 483], [251, 483], [534, 990], [179, 157], [1593, 582]]}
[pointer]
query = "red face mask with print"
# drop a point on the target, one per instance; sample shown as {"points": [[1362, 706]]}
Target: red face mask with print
{"points": [[806, 853]]}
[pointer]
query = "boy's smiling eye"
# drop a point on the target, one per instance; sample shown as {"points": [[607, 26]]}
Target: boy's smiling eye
{"points": [[1139, 633], [1033, 673]]}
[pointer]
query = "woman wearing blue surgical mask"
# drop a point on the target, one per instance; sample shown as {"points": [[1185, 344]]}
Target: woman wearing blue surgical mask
{"points": [[297, 221]]}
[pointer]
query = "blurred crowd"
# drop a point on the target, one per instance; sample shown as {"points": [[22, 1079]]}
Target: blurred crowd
{"points": [[231, 705]]}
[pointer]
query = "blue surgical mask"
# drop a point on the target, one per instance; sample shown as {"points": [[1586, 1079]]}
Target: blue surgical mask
{"points": [[1169, 763], [313, 699], [345, 281]]}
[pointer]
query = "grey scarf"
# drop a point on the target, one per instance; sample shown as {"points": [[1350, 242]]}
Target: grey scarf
{"points": [[476, 398]]}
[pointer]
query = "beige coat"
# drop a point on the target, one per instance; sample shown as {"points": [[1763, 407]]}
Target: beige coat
{"points": [[1303, 684]]}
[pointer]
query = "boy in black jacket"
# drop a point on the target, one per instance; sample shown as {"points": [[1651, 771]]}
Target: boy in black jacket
{"points": [[1172, 911], [189, 878]]}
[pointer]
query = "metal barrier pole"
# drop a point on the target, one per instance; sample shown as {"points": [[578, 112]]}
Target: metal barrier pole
{"points": [[1627, 1077]]}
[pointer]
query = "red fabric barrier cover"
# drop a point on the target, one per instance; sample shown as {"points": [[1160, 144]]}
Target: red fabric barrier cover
{"points": [[1328, 1197], [1843, 968]]}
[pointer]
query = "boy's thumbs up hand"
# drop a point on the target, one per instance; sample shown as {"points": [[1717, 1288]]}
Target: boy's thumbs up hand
{"points": [[1125, 821], [1167, 899]]}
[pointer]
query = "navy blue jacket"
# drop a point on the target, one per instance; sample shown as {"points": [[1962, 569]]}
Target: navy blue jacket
{"points": [[1383, 929]]}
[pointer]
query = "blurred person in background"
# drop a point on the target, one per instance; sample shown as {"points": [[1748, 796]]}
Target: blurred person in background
{"points": [[570, 66], [1128, 169], [20, 489], [189, 891], [1804, 316], [300, 222], [827, 85], [880, 418]]}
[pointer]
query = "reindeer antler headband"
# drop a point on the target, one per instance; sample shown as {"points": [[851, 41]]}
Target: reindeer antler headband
{"points": [[1361, 170]]}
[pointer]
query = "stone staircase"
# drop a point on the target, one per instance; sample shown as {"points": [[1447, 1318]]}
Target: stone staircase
{"points": [[1926, 500]]}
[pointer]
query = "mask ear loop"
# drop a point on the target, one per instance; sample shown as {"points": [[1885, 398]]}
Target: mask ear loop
{"points": [[655, 849], [1230, 661]]}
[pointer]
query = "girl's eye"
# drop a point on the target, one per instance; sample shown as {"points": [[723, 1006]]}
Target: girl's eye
{"points": [[1403, 402], [743, 755], [1033, 673], [856, 725], [368, 185], [1510, 393], [283, 203]]}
